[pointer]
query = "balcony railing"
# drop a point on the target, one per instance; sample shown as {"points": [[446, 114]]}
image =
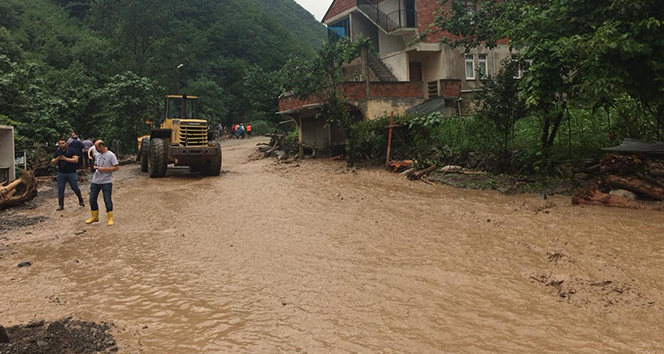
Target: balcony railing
{"points": [[389, 22]]}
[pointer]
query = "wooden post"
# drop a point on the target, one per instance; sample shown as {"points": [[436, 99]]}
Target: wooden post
{"points": [[389, 141]]}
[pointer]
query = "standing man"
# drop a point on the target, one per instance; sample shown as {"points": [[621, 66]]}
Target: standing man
{"points": [[87, 144], [249, 131], [66, 159], [105, 164]]}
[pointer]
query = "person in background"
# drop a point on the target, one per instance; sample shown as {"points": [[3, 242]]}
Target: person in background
{"points": [[71, 138], [87, 144], [78, 146], [66, 159], [241, 130], [92, 152], [249, 131], [232, 130], [105, 164]]}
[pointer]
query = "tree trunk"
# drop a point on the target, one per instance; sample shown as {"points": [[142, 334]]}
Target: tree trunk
{"points": [[19, 191], [636, 185]]}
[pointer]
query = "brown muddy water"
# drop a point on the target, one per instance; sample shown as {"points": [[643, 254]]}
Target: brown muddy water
{"points": [[312, 258]]}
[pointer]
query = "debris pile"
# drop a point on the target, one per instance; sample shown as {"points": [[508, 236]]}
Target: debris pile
{"points": [[63, 336], [408, 169], [627, 181], [18, 191], [278, 147]]}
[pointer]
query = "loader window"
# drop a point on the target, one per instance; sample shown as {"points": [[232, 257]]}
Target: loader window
{"points": [[175, 108]]}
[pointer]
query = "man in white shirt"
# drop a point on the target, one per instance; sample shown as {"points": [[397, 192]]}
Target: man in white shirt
{"points": [[105, 164]]}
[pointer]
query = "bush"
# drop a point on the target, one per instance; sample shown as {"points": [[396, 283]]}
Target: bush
{"points": [[263, 127]]}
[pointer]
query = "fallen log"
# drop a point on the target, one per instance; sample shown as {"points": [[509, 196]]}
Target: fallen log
{"points": [[419, 174], [591, 195], [408, 172], [9, 187], [636, 185], [19, 191]]}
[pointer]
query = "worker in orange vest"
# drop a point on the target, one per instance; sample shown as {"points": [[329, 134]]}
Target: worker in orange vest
{"points": [[249, 131]]}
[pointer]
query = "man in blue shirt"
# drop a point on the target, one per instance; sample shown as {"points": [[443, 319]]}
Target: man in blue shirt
{"points": [[66, 158]]}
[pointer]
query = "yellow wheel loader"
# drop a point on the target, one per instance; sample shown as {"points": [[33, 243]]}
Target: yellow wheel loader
{"points": [[182, 139]]}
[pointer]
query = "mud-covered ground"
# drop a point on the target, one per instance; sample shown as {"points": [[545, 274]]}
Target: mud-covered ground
{"points": [[311, 257]]}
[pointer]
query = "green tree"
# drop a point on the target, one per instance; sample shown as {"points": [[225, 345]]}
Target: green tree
{"points": [[321, 77], [127, 101]]}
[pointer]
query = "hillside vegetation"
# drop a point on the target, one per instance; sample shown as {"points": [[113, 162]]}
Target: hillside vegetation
{"points": [[296, 20], [97, 67]]}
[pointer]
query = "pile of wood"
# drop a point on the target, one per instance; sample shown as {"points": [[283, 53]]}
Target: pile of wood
{"points": [[628, 181], [18, 191]]}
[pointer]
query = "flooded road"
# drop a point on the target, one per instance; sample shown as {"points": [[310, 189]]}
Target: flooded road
{"points": [[314, 258]]}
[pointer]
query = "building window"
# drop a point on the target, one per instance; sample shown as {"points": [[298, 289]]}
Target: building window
{"points": [[520, 65], [339, 30], [482, 66], [470, 5], [470, 67]]}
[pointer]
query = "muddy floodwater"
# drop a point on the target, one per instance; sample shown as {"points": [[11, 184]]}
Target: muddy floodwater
{"points": [[311, 257]]}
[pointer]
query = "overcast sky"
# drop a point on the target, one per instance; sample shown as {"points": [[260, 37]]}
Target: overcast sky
{"points": [[316, 7]]}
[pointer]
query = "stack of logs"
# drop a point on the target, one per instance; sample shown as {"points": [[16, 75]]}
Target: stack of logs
{"points": [[625, 181], [18, 191]]}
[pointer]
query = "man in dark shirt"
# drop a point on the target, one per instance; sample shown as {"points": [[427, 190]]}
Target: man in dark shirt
{"points": [[66, 159], [79, 147]]}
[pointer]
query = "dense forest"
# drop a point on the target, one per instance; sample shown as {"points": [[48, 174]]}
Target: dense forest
{"points": [[97, 67]]}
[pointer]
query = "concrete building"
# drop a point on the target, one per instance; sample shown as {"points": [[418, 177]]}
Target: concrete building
{"points": [[402, 72], [6, 153]]}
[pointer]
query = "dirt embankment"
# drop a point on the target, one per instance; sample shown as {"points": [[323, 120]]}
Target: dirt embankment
{"points": [[313, 257]]}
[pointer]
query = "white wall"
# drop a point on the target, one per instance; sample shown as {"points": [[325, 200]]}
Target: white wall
{"points": [[398, 63], [360, 25], [6, 153], [390, 44]]}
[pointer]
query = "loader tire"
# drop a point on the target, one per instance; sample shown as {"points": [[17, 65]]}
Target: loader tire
{"points": [[145, 154], [212, 167], [158, 158]]}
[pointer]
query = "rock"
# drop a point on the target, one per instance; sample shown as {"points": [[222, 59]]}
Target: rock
{"points": [[24, 264], [4, 338], [543, 196], [281, 154], [56, 327], [42, 343], [66, 319], [38, 322], [508, 189], [452, 169], [624, 193], [80, 233]]}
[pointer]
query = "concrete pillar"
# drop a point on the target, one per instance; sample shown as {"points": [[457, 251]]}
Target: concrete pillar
{"points": [[6, 153], [300, 139], [364, 56]]}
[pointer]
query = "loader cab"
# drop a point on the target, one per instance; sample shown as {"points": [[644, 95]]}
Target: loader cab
{"points": [[180, 107]]}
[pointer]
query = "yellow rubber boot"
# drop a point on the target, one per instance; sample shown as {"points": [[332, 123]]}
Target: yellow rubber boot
{"points": [[110, 218], [94, 218]]}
